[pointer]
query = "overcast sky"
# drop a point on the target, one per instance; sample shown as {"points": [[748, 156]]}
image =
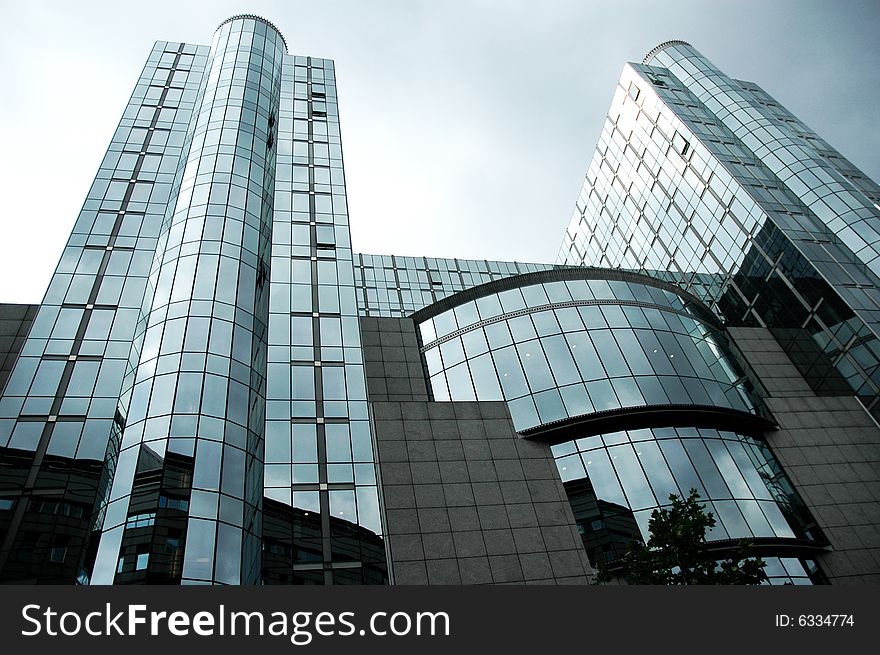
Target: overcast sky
{"points": [[467, 126]]}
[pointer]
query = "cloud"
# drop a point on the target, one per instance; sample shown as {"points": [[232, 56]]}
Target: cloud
{"points": [[467, 126]]}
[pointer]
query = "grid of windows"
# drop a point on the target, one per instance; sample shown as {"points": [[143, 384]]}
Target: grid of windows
{"points": [[792, 571], [324, 522], [200, 382], [60, 407], [223, 324], [395, 286], [702, 176], [630, 473], [561, 349], [786, 147], [208, 299]]}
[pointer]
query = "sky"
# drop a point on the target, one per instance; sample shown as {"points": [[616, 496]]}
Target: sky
{"points": [[467, 126]]}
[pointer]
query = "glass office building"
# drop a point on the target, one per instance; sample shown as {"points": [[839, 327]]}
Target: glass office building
{"points": [[635, 385], [217, 390], [702, 177], [195, 363], [709, 183]]}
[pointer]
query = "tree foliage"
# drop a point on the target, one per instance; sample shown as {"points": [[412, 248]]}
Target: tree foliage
{"points": [[677, 553]]}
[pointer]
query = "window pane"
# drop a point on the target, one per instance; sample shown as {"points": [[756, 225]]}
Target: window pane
{"points": [[535, 365], [510, 373], [585, 355], [561, 362], [459, 380], [604, 479], [485, 378], [631, 475]]}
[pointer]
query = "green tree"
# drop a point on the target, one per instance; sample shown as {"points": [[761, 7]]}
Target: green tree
{"points": [[677, 554]]}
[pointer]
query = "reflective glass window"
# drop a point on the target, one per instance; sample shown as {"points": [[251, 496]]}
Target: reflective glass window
{"points": [[546, 323], [609, 353], [522, 329], [466, 314], [445, 324], [571, 467], [630, 473], [489, 306], [681, 466], [535, 365], [576, 399], [485, 378], [459, 380], [714, 483], [602, 395], [523, 412], [432, 359], [511, 300], [510, 372], [658, 473], [452, 352], [557, 292], [569, 319], [588, 362], [498, 335], [592, 316], [535, 296], [561, 363], [474, 342], [338, 442], [550, 406], [732, 519], [604, 479]]}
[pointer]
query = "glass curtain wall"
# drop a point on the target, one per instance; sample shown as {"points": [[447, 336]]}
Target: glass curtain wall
{"points": [[60, 414], [198, 401]]}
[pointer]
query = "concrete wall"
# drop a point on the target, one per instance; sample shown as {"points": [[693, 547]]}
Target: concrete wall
{"points": [[830, 448], [467, 500]]}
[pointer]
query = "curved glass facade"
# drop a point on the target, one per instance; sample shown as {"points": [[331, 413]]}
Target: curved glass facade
{"points": [[615, 480], [557, 349], [217, 390], [322, 515], [197, 411], [584, 343]]}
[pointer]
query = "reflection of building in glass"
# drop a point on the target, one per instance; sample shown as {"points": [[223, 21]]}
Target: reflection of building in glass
{"points": [[216, 390], [606, 528], [293, 542], [45, 530], [199, 337]]}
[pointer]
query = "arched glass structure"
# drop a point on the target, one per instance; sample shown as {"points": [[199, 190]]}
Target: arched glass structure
{"points": [[636, 386], [615, 481], [568, 343]]}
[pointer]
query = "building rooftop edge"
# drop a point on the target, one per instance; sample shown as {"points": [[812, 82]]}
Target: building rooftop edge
{"points": [[560, 273], [663, 46], [259, 18]]}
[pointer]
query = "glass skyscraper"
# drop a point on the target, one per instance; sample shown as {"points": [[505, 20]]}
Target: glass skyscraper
{"points": [[196, 359], [711, 183], [217, 390]]}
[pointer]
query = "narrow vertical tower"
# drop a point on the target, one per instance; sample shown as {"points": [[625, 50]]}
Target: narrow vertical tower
{"points": [[187, 492]]}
